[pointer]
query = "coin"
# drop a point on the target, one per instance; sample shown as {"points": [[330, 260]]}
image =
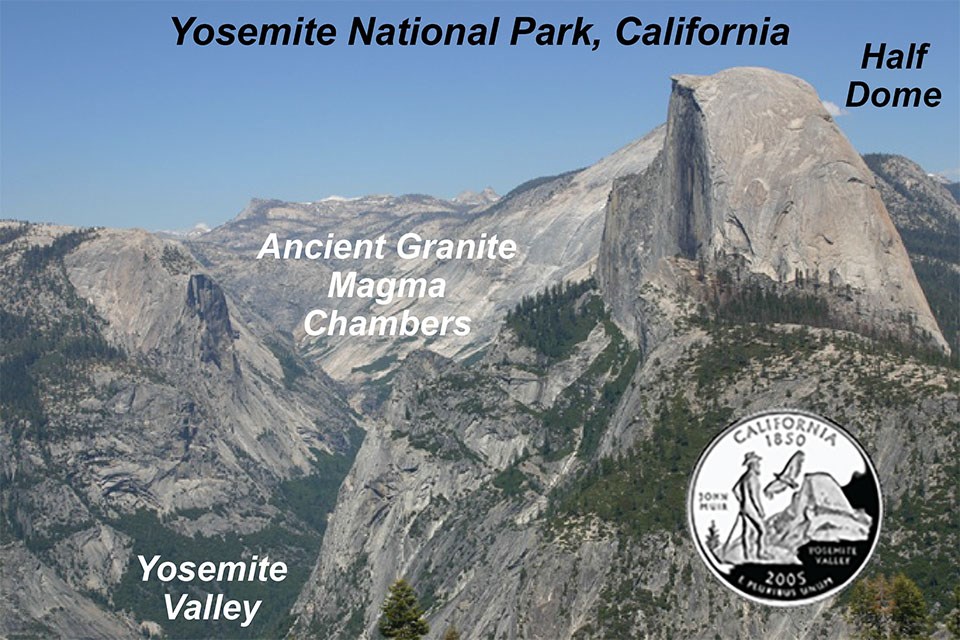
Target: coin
{"points": [[785, 507]]}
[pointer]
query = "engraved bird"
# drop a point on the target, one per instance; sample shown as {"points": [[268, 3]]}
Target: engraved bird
{"points": [[786, 479]]}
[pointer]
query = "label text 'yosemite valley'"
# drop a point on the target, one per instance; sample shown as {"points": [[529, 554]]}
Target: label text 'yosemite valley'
{"points": [[212, 607]]}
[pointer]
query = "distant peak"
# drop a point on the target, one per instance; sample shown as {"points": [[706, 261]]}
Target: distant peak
{"points": [[468, 197]]}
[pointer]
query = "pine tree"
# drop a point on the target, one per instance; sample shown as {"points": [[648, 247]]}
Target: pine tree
{"points": [[868, 610], [713, 537], [909, 611], [451, 633], [953, 618], [882, 608], [402, 615]]}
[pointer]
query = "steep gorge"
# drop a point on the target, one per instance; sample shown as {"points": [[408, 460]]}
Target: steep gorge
{"points": [[528, 481]]}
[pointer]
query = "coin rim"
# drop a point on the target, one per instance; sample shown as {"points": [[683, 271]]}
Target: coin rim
{"points": [[693, 531]]}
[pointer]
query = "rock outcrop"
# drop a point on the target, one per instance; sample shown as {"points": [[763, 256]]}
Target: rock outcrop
{"points": [[147, 411], [438, 494], [917, 202], [519, 486], [557, 222], [754, 172]]}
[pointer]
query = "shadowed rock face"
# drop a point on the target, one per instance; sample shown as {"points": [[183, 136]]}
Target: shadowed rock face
{"points": [[206, 299], [172, 412], [753, 168]]}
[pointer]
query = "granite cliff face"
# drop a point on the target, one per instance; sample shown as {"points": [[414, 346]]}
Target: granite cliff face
{"points": [[557, 221], [519, 478], [928, 218], [519, 512], [754, 174], [140, 414], [523, 514]]}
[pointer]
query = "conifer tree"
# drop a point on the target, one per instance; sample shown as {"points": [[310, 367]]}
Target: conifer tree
{"points": [[884, 608], [909, 611], [451, 633], [713, 536], [869, 608], [402, 615], [953, 618]]}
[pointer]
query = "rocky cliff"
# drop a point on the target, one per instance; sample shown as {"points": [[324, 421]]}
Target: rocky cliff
{"points": [[521, 514], [528, 481], [755, 174], [141, 414], [557, 222]]}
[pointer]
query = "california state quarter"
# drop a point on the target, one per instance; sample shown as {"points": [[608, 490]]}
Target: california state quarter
{"points": [[784, 507]]}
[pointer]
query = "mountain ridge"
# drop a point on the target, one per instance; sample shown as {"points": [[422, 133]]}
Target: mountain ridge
{"points": [[165, 400]]}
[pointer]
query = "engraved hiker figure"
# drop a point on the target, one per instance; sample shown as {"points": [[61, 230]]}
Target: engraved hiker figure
{"points": [[747, 491]]}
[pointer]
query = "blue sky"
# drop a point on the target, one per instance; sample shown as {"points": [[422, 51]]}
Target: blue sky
{"points": [[105, 121]]}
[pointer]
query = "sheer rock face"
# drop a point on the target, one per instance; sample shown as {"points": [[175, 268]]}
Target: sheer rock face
{"points": [[194, 417], [228, 387], [754, 168], [557, 223]]}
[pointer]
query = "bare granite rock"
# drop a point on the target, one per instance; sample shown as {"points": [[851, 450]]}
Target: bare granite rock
{"points": [[753, 169]]}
